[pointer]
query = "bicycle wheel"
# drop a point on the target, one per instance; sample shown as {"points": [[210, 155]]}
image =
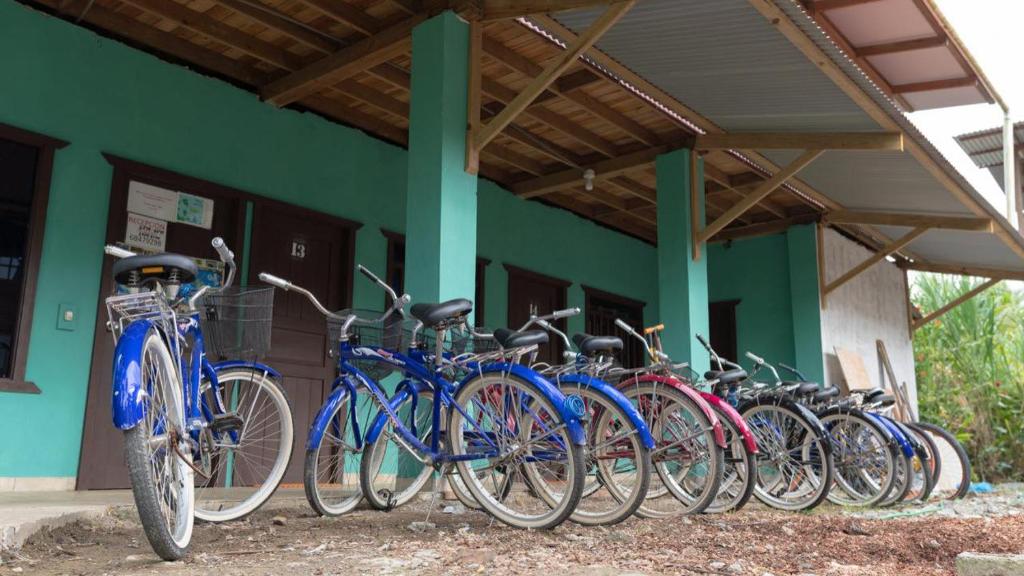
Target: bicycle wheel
{"points": [[794, 466], [904, 479], [738, 479], [331, 471], [953, 467], [390, 474], [864, 459], [248, 448], [162, 480], [923, 480], [618, 465], [514, 451], [688, 464]]}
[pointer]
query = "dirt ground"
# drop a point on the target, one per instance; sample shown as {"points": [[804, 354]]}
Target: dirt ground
{"points": [[920, 540]]}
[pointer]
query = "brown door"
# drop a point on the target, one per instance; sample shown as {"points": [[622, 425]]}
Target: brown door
{"points": [[722, 325], [101, 465], [532, 293], [313, 251], [603, 309]]}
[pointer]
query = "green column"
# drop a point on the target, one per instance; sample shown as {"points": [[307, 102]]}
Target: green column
{"points": [[440, 213], [805, 301], [682, 281]]}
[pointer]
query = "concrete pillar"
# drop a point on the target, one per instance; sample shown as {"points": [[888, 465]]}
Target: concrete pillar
{"points": [[805, 301], [682, 281], [440, 209]]}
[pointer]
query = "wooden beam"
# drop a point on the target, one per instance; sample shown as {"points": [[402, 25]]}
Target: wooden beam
{"points": [[602, 170], [826, 5], [979, 271], [910, 220], [501, 9], [760, 193], [935, 85], [887, 250], [801, 141], [342, 64], [696, 212], [552, 71], [275, 20], [902, 46], [819, 236], [476, 50], [347, 14], [763, 228], [731, 183], [576, 80], [956, 302]]}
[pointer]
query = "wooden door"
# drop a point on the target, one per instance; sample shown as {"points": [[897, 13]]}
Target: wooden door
{"points": [[602, 309], [101, 465], [313, 251], [722, 325], [532, 293]]}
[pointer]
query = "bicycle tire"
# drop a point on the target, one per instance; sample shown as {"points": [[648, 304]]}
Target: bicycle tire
{"points": [[316, 491], [736, 452], [844, 485], [374, 454], [927, 466], [961, 453]]}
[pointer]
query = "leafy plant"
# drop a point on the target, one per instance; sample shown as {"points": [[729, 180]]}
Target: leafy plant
{"points": [[970, 371]]}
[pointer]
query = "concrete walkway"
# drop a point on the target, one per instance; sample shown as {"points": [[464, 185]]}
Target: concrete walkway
{"points": [[22, 514]]}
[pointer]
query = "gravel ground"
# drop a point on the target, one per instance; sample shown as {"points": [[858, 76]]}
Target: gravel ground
{"points": [[830, 541]]}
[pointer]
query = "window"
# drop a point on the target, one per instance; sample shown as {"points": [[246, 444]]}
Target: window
{"points": [[25, 163], [602, 309]]}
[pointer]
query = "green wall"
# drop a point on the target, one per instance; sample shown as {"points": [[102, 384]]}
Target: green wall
{"points": [[755, 271], [102, 96]]}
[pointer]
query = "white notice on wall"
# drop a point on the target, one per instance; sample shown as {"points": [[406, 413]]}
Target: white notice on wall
{"points": [[194, 210], [152, 201], [146, 233]]}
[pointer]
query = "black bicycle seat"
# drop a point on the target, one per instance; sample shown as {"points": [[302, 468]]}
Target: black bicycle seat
{"points": [[155, 266], [436, 314], [802, 388], [826, 394], [513, 339], [726, 376], [870, 395], [589, 345]]}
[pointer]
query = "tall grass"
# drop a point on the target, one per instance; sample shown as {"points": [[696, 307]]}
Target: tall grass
{"points": [[970, 371]]}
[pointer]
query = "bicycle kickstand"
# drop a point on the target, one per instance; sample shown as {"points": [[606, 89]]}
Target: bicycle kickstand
{"points": [[440, 477]]}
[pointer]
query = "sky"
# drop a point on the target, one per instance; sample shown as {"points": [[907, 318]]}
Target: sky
{"points": [[991, 31]]}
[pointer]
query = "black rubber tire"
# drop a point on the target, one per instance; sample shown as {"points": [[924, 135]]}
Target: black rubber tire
{"points": [[890, 444], [934, 459], [309, 479], [902, 484], [751, 463], [136, 451], [373, 497], [965, 461]]}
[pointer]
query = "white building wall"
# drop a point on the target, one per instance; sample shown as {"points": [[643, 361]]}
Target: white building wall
{"points": [[872, 306]]}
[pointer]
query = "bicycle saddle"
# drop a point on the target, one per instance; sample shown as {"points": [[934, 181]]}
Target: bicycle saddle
{"points": [[435, 314], [513, 339], [589, 345], [158, 266], [726, 376], [870, 395], [826, 394], [883, 400]]}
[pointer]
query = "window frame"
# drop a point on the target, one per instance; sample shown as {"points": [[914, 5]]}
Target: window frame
{"points": [[46, 147]]}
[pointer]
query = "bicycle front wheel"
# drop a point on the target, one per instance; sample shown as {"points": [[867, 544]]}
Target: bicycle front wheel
{"points": [[864, 459], [514, 452], [738, 478], [158, 456], [249, 447], [331, 472], [390, 474]]}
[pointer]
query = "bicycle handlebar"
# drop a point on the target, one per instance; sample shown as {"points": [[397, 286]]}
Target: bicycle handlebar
{"points": [[757, 359], [275, 281], [376, 280], [117, 252]]}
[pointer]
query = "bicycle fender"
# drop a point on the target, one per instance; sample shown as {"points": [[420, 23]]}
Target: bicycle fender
{"points": [[749, 442], [341, 387], [128, 393], [548, 389], [907, 446], [886, 433], [804, 412], [693, 395], [405, 389], [231, 364], [615, 397]]}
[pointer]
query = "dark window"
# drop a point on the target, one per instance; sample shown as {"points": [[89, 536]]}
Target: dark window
{"points": [[722, 321], [602, 309], [25, 163]]}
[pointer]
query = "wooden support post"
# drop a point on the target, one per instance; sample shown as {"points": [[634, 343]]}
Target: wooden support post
{"points": [[956, 302], [887, 250], [759, 193], [820, 233], [551, 72], [476, 39], [910, 303], [695, 207]]}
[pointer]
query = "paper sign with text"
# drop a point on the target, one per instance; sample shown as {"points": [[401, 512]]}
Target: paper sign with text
{"points": [[146, 233]]}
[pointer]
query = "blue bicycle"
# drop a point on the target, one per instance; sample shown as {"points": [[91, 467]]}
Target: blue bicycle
{"points": [[207, 440], [462, 405]]}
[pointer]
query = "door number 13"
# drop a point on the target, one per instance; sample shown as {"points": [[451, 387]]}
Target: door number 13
{"points": [[298, 249]]}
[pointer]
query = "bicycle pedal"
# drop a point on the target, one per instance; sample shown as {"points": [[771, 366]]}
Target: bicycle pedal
{"points": [[389, 499], [226, 423]]}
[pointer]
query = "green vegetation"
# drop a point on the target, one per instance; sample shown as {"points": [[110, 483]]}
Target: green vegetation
{"points": [[970, 371]]}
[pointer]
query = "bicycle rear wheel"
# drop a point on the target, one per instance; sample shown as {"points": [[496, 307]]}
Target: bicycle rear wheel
{"points": [[864, 459], [953, 467], [514, 452], [738, 478], [162, 480], [390, 474], [249, 447]]}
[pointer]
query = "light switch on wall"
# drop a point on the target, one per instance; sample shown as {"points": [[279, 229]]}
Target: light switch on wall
{"points": [[67, 317]]}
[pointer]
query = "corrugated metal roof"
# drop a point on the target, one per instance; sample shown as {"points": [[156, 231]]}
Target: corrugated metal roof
{"points": [[985, 147]]}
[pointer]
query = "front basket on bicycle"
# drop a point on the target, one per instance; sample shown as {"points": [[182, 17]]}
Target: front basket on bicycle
{"points": [[236, 322]]}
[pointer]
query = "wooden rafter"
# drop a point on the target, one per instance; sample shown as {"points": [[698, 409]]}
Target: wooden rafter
{"points": [[552, 71], [979, 271], [758, 194], [734, 184], [969, 223], [826, 5], [501, 9], [763, 228], [801, 141], [901, 46], [887, 250], [935, 85], [473, 120], [603, 170], [956, 302]]}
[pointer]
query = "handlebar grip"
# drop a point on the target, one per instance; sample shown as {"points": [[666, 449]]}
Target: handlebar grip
{"points": [[704, 342], [626, 327], [226, 255], [275, 281], [755, 357], [118, 252], [565, 313], [366, 272], [652, 329]]}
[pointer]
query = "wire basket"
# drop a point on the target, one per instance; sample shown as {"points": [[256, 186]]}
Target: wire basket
{"points": [[237, 321], [392, 334], [461, 341], [124, 309]]}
